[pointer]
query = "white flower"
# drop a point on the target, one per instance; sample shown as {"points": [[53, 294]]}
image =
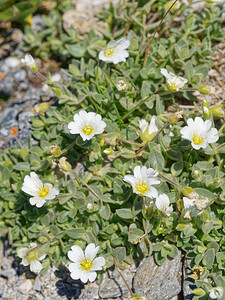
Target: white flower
{"points": [[121, 85], [115, 51], [216, 293], [40, 191], [162, 203], [30, 257], [29, 62], [84, 264], [199, 132], [142, 181], [152, 128], [87, 124], [173, 82], [190, 208]]}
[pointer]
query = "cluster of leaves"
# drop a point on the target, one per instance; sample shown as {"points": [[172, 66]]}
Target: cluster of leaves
{"points": [[117, 223]]}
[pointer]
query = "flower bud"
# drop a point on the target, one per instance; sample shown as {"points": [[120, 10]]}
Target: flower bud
{"points": [[30, 62], [190, 193], [121, 86], [218, 110], [64, 165], [41, 108], [108, 151], [102, 142], [147, 209], [54, 150], [201, 204], [174, 118], [196, 174], [90, 207], [206, 89], [206, 110]]}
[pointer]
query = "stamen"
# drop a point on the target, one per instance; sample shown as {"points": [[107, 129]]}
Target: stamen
{"points": [[43, 192], [88, 130], [197, 139], [109, 52], [142, 187], [86, 264]]}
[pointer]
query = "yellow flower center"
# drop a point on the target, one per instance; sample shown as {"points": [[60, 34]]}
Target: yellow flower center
{"points": [[142, 187], [172, 86], [86, 264], [43, 192], [197, 139], [31, 256], [88, 130], [109, 52]]}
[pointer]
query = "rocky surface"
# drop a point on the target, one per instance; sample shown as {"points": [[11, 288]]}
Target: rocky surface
{"points": [[158, 282]]}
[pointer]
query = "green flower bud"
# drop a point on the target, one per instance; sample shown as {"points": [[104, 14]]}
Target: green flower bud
{"points": [[190, 193], [206, 89], [64, 165], [218, 110], [147, 209], [206, 110], [174, 118], [90, 207], [54, 150], [108, 151], [41, 108]]}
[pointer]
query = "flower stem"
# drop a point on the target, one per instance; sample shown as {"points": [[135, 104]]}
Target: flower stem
{"points": [[170, 181], [67, 148], [220, 147], [85, 184], [149, 44], [217, 155], [128, 142], [38, 246], [122, 277]]}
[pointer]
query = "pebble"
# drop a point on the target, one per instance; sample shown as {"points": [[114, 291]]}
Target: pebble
{"points": [[25, 286], [8, 273], [37, 284], [12, 62]]}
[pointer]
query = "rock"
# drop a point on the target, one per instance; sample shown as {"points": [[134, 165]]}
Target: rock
{"points": [[188, 283], [158, 282], [2, 284], [90, 291], [12, 62], [127, 274], [20, 76], [8, 273], [37, 284], [25, 286], [109, 289]]}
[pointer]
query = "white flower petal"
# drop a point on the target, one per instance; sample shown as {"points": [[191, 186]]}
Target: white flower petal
{"points": [[98, 263], [35, 266], [22, 252], [91, 251], [77, 254], [92, 276]]}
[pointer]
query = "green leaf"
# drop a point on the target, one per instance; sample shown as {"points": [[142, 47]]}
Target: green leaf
{"points": [[105, 212], [124, 213], [76, 50], [76, 233], [156, 160], [22, 166], [209, 257], [119, 253], [134, 234]]}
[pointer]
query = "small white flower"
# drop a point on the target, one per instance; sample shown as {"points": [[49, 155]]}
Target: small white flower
{"points": [[152, 128], [30, 257], [173, 82], [40, 191], [87, 124], [121, 85], [162, 203], [84, 264], [142, 181], [115, 51], [29, 62], [216, 293], [190, 208], [199, 133]]}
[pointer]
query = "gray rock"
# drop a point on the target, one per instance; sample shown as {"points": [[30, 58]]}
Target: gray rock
{"points": [[25, 286], [109, 289], [188, 283], [12, 62], [158, 282], [37, 284], [8, 273], [20, 75]]}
